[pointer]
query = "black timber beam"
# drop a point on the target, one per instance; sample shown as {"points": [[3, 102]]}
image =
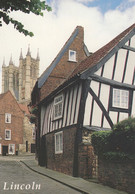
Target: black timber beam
{"points": [[112, 82]]}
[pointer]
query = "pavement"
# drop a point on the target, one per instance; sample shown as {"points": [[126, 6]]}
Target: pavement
{"points": [[79, 184]]}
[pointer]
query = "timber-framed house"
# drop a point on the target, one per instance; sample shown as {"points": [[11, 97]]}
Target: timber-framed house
{"points": [[80, 93]]}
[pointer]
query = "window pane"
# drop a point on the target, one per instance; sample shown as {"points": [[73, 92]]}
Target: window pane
{"points": [[58, 107], [120, 98], [124, 99], [7, 118], [7, 134], [116, 97], [59, 142], [72, 55], [11, 148]]}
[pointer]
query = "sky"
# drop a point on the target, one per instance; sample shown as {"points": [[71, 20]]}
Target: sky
{"points": [[102, 21]]}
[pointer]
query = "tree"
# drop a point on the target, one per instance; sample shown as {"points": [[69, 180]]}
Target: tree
{"points": [[26, 6]]}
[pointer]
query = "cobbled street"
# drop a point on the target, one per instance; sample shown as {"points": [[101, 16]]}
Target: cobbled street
{"points": [[15, 178]]}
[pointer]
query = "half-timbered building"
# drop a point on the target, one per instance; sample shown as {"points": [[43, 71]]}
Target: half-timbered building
{"points": [[94, 93]]}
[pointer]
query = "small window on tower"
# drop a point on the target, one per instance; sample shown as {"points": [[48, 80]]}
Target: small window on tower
{"points": [[72, 55]]}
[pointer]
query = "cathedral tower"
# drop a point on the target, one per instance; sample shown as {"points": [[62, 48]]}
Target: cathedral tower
{"points": [[21, 80]]}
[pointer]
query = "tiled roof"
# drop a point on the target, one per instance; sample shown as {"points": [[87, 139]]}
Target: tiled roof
{"points": [[9, 103], [1, 96], [96, 57]]}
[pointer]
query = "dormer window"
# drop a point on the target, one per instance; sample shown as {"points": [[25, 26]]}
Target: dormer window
{"points": [[72, 55]]}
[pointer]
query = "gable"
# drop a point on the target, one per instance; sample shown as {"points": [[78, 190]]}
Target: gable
{"points": [[47, 72], [92, 63], [8, 104], [120, 67], [111, 92], [63, 66]]}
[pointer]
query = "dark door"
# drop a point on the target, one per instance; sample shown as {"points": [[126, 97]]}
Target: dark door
{"points": [[42, 152], [33, 148], [26, 146], [4, 150]]}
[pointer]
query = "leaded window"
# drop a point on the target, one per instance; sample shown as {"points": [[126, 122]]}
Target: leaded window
{"points": [[58, 107]]}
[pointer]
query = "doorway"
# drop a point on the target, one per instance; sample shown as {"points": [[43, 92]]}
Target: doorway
{"points": [[33, 147], [4, 150]]}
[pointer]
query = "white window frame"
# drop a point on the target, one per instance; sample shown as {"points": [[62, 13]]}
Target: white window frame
{"points": [[7, 116], [58, 106], [72, 57], [59, 142], [13, 147], [0, 149], [120, 98], [8, 138]]}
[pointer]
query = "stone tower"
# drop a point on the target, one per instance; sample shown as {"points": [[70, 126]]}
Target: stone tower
{"points": [[21, 80]]}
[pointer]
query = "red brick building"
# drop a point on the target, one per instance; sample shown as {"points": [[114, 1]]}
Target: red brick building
{"points": [[12, 125]]}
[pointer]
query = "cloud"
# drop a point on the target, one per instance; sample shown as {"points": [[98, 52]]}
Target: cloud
{"points": [[84, 1], [53, 30], [126, 4]]}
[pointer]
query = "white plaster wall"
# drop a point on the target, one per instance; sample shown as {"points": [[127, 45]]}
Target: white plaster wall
{"points": [[97, 115], [120, 65], [130, 68], [87, 110], [108, 69]]}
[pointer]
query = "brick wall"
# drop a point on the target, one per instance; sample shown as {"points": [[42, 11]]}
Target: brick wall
{"points": [[119, 175], [61, 162]]}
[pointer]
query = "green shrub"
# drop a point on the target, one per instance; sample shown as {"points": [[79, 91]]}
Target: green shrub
{"points": [[100, 141], [125, 125], [119, 156], [34, 110], [119, 143], [123, 136], [32, 119]]}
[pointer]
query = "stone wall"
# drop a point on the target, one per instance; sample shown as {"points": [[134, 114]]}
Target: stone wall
{"points": [[27, 135], [119, 175], [87, 161]]}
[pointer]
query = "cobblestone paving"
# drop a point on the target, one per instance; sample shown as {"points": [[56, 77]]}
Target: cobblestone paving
{"points": [[18, 179]]}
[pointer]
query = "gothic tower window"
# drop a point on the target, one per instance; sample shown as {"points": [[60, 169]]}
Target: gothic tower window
{"points": [[6, 81], [23, 75], [17, 78], [31, 71], [14, 83], [34, 71]]}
